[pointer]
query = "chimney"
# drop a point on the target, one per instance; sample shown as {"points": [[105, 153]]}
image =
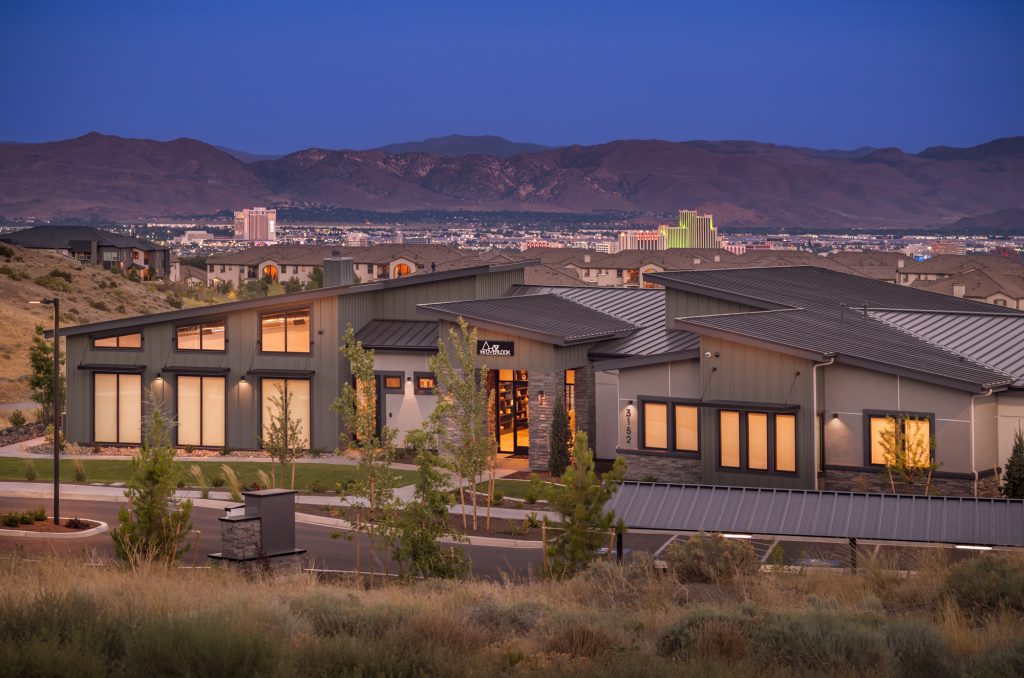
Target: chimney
{"points": [[338, 270], [900, 262], [959, 290]]}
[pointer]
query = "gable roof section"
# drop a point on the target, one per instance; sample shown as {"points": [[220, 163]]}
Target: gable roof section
{"points": [[545, 317], [399, 335], [75, 238]]}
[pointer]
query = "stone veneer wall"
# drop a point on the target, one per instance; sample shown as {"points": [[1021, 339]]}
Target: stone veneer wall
{"points": [[241, 539], [586, 403], [552, 383], [662, 468], [836, 480]]}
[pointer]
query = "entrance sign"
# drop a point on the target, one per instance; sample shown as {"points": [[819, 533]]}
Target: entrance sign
{"points": [[495, 348]]}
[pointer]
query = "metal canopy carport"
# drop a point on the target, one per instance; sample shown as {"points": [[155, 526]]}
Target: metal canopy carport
{"points": [[808, 513]]}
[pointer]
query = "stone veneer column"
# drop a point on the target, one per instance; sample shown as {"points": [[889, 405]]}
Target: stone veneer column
{"points": [[586, 404], [551, 383], [662, 468], [241, 538]]}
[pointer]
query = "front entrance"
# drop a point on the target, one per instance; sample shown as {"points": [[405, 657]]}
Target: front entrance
{"points": [[513, 412]]}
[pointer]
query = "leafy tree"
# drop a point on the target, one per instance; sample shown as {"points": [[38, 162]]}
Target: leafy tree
{"points": [[316, 278], [40, 357], [560, 438], [909, 458], [357, 406], [151, 529], [293, 285], [424, 520], [1013, 477], [282, 436], [462, 407], [580, 502]]}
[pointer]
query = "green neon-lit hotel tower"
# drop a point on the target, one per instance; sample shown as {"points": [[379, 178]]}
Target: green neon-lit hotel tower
{"points": [[694, 230]]}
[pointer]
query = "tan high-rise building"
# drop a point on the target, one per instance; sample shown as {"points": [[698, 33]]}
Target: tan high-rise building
{"points": [[257, 223]]}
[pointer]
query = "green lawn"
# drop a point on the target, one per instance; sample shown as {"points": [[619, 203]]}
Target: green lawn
{"points": [[509, 488], [117, 470]]}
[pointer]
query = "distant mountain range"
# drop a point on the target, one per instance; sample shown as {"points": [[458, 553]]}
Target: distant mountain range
{"points": [[744, 183]]}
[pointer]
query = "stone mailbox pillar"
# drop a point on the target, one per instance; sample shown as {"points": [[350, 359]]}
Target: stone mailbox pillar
{"points": [[263, 533]]}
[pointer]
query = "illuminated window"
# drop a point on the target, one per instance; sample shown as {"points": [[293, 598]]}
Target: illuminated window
{"points": [[655, 425], [285, 332], [125, 341], [916, 435], [757, 441], [426, 383], [117, 408], [292, 394], [729, 438], [570, 390], [208, 336], [686, 428], [785, 442], [392, 382], [201, 411]]}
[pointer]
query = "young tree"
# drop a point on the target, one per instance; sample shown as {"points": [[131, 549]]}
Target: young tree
{"points": [[1013, 477], [40, 357], [560, 438], [909, 457], [316, 278], [463, 404], [357, 406], [580, 503], [282, 436], [150, 529], [424, 520]]}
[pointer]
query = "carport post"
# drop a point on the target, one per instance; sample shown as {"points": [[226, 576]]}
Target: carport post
{"points": [[853, 555]]}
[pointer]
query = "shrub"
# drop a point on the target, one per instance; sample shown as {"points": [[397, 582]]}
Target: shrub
{"points": [[79, 470], [986, 583], [6, 251], [30, 470], [560, 439], [56, 284], [99, 305], [531, 520], [711, 558], [26, 518], [218, 480], [316, 487], [38, 514], [11, 519], [999, 661], [58, 273], [820, 642], [174, 301], [17, 418], [534, 489], [706, 632], [76, 524], [578, 638], [516, 618], [918, 649]]}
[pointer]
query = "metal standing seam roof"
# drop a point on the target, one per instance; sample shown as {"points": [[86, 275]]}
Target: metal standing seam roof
{"points": [[642, 307], [810, 513], [994, 340], [549, 317], [408, 335]]}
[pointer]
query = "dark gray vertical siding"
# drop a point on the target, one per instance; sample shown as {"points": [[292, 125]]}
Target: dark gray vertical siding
{"points": [[490, 285], [750, 374], [529, 354], [680, 304]]}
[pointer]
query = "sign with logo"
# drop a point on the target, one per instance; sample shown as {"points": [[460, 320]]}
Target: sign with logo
{"points": [[501, 349]]}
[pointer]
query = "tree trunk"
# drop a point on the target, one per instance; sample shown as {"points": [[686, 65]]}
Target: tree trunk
{"points": [[462, 501], [293, 471], [476, 480], [490, 494]]}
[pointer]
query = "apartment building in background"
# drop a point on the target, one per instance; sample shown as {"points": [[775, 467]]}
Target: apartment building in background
{"points": [[256, 223]]}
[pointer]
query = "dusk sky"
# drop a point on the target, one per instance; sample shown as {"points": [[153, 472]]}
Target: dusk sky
{"points": [[273, 77]]}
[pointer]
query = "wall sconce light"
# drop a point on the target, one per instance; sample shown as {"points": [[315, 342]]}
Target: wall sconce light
{"points": [[159, 376], [243, 378], [408, 379], [835, 415]]}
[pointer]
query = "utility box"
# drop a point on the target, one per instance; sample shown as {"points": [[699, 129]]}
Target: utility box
{"points": [[260, 532]]}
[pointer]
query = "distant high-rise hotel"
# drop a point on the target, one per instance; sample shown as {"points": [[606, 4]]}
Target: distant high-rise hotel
{"points": [[641, 240], [694, 230], [257, 223]]}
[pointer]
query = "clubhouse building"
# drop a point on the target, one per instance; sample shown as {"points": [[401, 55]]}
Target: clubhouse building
{"points": [[778, 377]]}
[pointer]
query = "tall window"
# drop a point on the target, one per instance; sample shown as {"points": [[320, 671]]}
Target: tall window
{"points": [[785, 443], [570, 390], [117, 408], [285, 332], [656, 425], [201, 411], [294, 393], [669, 426], [757, 441], [729, 438], [207, 336], [917, 430], [132, 340], [686, 428]]}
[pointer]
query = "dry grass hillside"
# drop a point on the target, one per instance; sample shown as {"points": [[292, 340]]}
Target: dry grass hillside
{"points": [[91, 295]]}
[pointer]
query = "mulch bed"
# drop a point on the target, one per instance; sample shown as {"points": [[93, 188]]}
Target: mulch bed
{"points": [[17, 434], [500, 527], [48, 526]]}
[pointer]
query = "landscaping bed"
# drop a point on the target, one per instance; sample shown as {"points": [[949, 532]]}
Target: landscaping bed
{"points": [[36, 520], [17, 434]]}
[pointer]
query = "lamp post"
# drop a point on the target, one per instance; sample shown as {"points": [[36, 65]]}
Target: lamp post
{"points": [[55, 302]]}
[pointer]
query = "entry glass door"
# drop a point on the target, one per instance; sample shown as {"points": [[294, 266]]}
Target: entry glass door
{"points": [[513, 403]]}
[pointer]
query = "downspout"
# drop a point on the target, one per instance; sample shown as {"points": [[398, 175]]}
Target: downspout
{"points": [[817, 423], [974, 468]]}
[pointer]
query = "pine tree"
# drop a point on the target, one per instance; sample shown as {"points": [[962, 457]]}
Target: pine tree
{"points": [[580, 502], [1013, 477], [150, 529], [560, 439]]}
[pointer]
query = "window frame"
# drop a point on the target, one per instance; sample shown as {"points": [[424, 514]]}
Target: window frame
{"points": [[108, 335], [744, 441], [192, 351], [416, 376], [898, 415], [312, 406], [670, 422], [177, 395], [284, 313], [384, 388], [117, 412]]}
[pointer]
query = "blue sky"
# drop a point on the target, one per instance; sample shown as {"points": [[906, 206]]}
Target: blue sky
{"points": [[274, 77]]}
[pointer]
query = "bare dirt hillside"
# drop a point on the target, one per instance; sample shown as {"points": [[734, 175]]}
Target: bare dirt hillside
{"points": [[92, 295]]}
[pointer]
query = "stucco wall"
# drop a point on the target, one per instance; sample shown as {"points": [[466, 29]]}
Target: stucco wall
{"points": [[1010, 417], [404, 411]]}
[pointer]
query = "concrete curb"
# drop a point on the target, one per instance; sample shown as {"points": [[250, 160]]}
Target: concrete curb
{"points": [[61, 536]]}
